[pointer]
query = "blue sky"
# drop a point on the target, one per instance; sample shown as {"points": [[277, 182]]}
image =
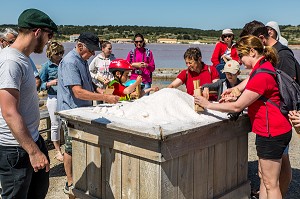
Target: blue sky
{"points": [[206, 14]]}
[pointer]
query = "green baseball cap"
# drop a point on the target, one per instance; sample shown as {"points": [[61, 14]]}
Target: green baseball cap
{"points": [[34, 18]]}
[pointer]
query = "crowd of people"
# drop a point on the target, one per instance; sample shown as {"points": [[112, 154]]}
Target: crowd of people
{"points": [[71, 83]]}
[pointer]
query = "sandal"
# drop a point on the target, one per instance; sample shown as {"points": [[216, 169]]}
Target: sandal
{"points": [[59, 156]]}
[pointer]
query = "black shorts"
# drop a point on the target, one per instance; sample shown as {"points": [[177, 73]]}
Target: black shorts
{"points": [[272, 147]]}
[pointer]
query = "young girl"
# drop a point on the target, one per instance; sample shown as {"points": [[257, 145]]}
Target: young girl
{"points": [[99, 67], [121, 68]]}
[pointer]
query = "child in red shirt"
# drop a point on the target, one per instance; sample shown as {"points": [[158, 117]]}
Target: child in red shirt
{"points": [[121, 69]]}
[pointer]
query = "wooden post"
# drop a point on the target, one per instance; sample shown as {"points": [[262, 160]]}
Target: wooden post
{"points": [[138, 91], [197, 92]]}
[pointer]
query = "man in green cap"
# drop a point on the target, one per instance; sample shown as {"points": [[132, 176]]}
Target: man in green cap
{"points": [[24, 160]]}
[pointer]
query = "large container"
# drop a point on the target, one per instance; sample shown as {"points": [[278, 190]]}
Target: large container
{"points": [[115, 161]]}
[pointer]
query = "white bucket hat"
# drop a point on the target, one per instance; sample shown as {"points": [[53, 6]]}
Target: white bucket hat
{"points": [[227, 32]]}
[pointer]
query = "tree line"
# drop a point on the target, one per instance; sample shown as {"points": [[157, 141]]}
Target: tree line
{"points": [[292, 33]]}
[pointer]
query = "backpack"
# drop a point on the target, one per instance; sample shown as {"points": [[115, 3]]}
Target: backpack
{"points": [[297, 65], [289, 90]]}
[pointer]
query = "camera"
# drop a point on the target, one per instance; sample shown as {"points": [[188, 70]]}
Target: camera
{"points": [[138, 71]]}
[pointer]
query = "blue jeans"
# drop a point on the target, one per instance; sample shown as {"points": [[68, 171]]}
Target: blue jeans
{"points": [[219, 68], [147, 85], [17, 176]]}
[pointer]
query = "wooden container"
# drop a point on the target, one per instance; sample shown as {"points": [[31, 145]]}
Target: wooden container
{"points": [[113, 161]]}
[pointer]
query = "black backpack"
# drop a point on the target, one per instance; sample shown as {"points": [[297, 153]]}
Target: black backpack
{"points": [[289, 90], [297, 65]]}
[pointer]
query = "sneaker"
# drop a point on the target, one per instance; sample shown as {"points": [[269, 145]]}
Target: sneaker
{"points": [[68, 188]]}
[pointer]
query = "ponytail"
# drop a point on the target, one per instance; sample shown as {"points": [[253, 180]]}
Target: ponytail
{"points": [[271, 55]]}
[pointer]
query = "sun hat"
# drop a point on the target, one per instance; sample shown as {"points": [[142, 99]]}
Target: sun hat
{"points": [[227, 32], [90, 40], [34, 18], [232, 67]]}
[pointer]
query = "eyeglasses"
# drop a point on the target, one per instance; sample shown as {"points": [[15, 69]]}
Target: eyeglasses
{"points": [[50, 33], [225, 36], [138, 41], [60, 53]]}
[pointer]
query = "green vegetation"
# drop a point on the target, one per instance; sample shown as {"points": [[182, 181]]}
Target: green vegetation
{"points": [[291, 33]]}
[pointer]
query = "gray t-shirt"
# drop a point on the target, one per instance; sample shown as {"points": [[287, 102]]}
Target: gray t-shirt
{"points": [[72, 70], [16, 72]]}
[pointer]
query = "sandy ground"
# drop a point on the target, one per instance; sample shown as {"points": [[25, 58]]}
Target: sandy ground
{"points": [[57, 174]]}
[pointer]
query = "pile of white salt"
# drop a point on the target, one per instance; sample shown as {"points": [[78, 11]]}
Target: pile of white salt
{"points": [[165, 107]]}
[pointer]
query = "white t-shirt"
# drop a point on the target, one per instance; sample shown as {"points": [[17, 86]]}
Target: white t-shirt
{"points": [[16, 72]]}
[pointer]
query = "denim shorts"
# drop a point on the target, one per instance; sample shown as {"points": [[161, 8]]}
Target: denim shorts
{"points": [[272, 147]]}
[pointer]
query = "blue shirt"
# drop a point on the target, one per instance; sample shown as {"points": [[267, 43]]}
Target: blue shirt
{"points": [[73, 70], [35, 71], [48, 73]]}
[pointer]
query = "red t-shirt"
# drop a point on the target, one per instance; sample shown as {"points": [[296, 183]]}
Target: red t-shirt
{"points": [[265, 84], [204, 76], [119, 89]]}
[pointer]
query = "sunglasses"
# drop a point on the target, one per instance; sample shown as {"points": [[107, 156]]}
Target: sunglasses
{"points": [[60, 53], [240, 55], [138, 42], [50, 33], [10, 42], [224, 36]]}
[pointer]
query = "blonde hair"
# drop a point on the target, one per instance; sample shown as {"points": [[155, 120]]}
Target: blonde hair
{"points": [[246, 43], [54, 47]]}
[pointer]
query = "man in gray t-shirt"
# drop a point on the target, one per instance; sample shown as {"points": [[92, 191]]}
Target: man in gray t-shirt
{"points": [[24, 160]]}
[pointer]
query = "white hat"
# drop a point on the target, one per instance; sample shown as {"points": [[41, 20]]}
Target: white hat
{"points": [[232, 67], [227, 32]]}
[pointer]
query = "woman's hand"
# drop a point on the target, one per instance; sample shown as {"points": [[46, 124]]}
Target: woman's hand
{"points": [[294, 116], [227, 92], [52, 83], [201, 101], [139, 64], [144, 65], [228, 98], [139, 79], [205, 93]]}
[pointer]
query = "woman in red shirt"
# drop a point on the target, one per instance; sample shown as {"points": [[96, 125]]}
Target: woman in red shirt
{"points": [[197, 70], [273, 130]]}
